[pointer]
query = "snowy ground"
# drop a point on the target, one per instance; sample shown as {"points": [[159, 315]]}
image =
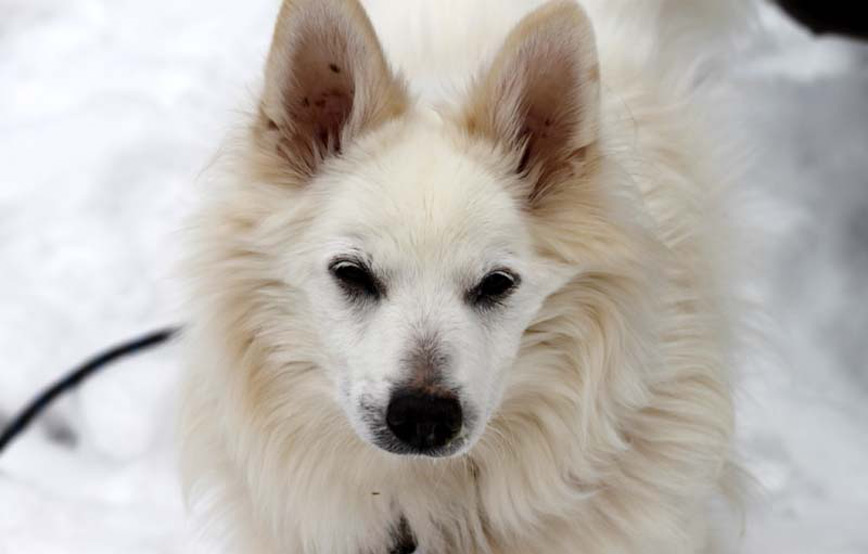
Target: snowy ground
{"points": [[109, 109]]}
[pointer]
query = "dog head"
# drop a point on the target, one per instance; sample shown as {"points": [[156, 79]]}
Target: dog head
{"points": [[411, 233]]}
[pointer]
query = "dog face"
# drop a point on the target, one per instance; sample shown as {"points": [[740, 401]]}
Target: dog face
{"points": [[424, 277], [417, 253]]}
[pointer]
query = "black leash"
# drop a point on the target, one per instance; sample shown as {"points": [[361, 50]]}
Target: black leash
{"points": [[38, 405], [404, 541]]}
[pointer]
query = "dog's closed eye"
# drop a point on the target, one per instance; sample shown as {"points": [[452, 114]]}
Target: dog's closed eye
{"points": [[356, 279]]}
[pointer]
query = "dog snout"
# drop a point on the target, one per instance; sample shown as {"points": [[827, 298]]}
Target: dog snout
{"points": [[424, 421]]}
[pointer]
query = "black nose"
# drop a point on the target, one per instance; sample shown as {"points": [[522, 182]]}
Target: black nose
{"points": [[424, 422]]}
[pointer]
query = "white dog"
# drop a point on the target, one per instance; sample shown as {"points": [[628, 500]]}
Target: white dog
{"points": [[468, 307]]}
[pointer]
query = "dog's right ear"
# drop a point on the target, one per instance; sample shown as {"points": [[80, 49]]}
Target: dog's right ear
{"points": [[326, 81]]}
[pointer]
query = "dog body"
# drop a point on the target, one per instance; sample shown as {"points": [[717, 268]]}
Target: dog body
{"points": [[476, 307]]}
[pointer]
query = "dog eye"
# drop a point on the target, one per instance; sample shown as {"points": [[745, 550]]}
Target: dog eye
{"points": [[356, 279], [493, 288]]}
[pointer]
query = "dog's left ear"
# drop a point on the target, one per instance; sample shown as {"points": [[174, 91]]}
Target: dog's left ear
{"points": [[540, 96], [326, 82]]}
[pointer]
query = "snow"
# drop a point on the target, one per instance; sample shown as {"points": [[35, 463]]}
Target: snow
{"points": [[110, 109]]}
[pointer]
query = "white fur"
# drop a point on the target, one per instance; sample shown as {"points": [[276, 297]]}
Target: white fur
{"points": [[600, 390]]}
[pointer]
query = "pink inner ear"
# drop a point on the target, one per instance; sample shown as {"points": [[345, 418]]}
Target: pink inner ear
{"points": [[549, 111], [542, 133], [322, 95]]}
